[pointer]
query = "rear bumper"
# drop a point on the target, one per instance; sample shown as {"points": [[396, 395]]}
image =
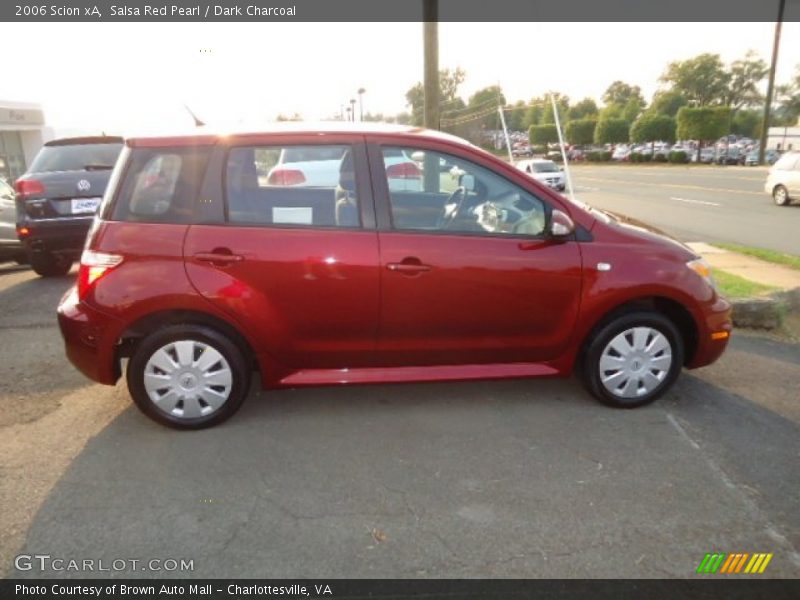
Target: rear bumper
{"points": [[711, 343], [56, 235], [89, 338]]}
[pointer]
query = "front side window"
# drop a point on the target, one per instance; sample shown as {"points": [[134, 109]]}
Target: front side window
{"points": [[313, 186], [432, 191]]}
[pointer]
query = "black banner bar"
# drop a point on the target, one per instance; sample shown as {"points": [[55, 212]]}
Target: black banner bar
{"points": [[731, 588], [396, 10]]}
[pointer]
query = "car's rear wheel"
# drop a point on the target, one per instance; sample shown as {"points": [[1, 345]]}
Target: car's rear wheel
{"points": [[188, 377], [47, 264], [780, 195], [633, 360]]}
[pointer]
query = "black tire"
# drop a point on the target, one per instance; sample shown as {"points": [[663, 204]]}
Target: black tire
{"points": [[47, 264], [239, 368], [780, 195], [590, 364]]}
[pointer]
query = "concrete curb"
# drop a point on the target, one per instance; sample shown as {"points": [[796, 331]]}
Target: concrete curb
{"points": [[767, 312]]}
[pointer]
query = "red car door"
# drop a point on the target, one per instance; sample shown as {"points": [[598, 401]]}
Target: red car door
{"points": [[295, 261], [468, 274]]}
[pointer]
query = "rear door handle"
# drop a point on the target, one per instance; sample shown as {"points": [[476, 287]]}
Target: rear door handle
{"points": [[222, 258]]}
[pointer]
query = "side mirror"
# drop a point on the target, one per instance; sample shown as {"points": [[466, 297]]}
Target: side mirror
{"points": [[561, 226]]}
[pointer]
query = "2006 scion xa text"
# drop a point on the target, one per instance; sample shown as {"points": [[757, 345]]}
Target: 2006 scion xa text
{"points": [[343, 254]]}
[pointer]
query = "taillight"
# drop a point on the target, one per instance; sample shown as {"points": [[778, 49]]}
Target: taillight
{"points": [[406, 170], [94, 265], [28, 187], [286, 177]]}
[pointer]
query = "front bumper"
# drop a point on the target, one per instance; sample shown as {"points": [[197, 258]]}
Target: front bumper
{"points": [[711, 343], [90, 338], [66, 235]]}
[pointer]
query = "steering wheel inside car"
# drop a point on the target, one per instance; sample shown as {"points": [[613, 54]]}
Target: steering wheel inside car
{"points": [[446, 218]]}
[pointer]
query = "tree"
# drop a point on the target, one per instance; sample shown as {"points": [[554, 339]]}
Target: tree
{"points": [[787, 97], [449, 82], [562, 102], [650, 127], [703, 123], [667, 102], [584, 109], [744, 77], [487, 96], [620, 93], [581, 131], [612, 111], [633, 108], [515, 116], [535, 112], [747, 123], [541, 135], [702, 80], [611, 131]]}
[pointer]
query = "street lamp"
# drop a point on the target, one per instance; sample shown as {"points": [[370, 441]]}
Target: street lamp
{"points": [[352, 109], [361, 102], [349, 111]]}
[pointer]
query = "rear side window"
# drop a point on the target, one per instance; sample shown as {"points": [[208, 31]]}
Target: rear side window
{"points": [[78, 157], [311, 186], [160, 185], [787, 162]]}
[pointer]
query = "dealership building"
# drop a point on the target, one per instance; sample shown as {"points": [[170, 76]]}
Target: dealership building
{"points": [[22, 133]]}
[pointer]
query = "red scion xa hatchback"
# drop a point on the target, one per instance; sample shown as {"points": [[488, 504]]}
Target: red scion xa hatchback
{"points": [[330, 255]]}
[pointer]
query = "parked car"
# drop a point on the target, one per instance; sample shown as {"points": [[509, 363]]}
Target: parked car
{"points": [[10, 246], [203, 278], [706, 157], [727, 155], [521, 149], [58, 196], [544, 171], [621, 153], [783, 180], [770, 157]]}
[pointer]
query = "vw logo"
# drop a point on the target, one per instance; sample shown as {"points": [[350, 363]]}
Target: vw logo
{"points": [[84, 185]]}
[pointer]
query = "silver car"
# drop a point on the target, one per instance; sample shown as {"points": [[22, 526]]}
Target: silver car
{"points": [[783, 181]]}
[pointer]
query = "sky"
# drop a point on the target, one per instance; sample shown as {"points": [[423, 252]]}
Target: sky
{"points": [[137, 77]]}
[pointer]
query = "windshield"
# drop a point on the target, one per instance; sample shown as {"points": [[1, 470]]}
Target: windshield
{"points": [[76, 157], [545, 167]]}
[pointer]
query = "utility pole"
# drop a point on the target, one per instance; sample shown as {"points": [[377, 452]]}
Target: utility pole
{"points": [[762, 147], [430, 13], [361, 102]]}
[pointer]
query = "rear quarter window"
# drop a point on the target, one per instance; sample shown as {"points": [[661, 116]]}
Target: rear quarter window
{"points": [[160, 185]]}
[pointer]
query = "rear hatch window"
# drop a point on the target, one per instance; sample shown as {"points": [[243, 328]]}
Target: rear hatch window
{"points": [[79, 157], [159, 185]]}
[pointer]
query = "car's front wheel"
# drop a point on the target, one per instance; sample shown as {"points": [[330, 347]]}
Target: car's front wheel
{"points": [[633, 360], [47, 264], [780, 195], [188, 377]]}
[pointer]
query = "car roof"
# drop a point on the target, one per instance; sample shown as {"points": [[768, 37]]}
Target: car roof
{"points": [[76, 141], [205, 135]]}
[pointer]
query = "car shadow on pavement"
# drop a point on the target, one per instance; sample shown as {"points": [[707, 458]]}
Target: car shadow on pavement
{"points": [[479, 479]]}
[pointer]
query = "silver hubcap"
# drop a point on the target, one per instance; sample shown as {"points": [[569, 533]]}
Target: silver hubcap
{"points": [[780, 196], [635, 362], [188, 379]]}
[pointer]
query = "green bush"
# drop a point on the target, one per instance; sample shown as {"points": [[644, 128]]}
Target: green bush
{"points": [[678, 157], [638, 157], [598, 156], [660, 158]]}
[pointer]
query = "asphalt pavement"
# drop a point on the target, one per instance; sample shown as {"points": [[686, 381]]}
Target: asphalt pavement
{"points": [[706, 203], [527, 478]]}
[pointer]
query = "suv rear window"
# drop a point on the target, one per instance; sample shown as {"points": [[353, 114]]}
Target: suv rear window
{"points": [[77, 157], [160, 185]]}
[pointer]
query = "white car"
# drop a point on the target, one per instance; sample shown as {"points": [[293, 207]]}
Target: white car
{"points": [[544, 171], [783, 181], [319, 166]]}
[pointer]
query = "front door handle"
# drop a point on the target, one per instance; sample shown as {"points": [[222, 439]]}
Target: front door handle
{"points": [[410, 266]]}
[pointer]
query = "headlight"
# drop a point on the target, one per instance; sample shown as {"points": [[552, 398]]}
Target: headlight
{"points": [[702, 268]]}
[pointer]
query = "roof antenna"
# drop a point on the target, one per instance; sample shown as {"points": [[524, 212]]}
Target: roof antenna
{"points": [[197, 122]]}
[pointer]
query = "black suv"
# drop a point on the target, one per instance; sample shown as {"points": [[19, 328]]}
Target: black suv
{"points": [[58, 196]]}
